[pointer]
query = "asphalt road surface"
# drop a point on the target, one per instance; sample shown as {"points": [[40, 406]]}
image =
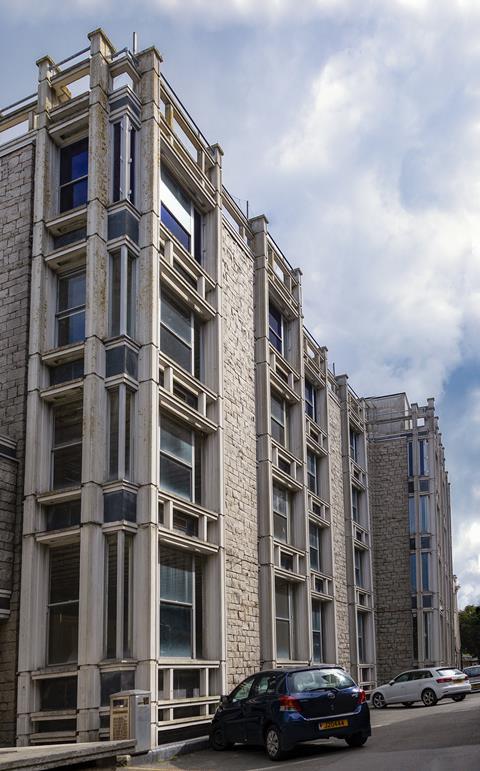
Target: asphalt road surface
{"points": [[441, 738]]}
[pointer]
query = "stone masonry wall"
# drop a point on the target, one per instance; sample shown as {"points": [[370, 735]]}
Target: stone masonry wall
{"points": [[338, 532], [387, 465], [241, 551], [16, 172]]}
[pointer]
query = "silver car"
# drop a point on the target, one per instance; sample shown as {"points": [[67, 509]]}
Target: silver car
{"points": [[427, 685], [473, 674]]}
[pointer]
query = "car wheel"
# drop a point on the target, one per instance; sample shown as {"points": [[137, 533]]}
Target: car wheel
{"points": [[429, 697], [378, 701], [356, 740], [459, 697], [273, 743], [218, 742], [407, 703]]}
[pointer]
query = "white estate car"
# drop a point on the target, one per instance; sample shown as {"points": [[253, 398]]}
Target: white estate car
{"points": [[427, 685]]}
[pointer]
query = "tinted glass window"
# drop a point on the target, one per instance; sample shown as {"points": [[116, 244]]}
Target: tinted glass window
{"points": [[264, 684], [404, 677], [318, 679], [243, 690], [449, 672]]}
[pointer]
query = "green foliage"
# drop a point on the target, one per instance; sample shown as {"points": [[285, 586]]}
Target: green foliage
{"points": [[470, 630]]}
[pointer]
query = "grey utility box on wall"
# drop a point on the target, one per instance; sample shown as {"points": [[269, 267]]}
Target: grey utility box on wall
{"points": [[130, 718]]}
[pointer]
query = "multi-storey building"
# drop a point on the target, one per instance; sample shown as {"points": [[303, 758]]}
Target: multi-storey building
{"points": [[193, 499], [410, 505]]}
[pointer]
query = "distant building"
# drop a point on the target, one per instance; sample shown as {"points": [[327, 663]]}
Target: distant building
{"points": [[183, 478], [410, 510]]}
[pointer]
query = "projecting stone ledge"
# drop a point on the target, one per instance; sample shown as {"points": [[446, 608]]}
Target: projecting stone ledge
{"points": [[61, 755]]}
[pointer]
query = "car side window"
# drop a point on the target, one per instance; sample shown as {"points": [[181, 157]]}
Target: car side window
{"points": [[242, 691], [402, 678], [264, 684], [427, 674], [417, 675]]}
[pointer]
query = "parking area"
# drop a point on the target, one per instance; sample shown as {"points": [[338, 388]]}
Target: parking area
{"points": [[441, 738]]}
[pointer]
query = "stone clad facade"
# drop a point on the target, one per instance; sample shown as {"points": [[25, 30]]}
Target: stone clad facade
{"points": [[16, 171], [192, 502]]}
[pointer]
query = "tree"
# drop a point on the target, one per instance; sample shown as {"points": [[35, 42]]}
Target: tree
{"points": [[469, 619]]}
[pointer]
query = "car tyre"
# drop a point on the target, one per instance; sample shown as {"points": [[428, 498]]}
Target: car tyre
{"points": [[429, 697], [273, 743], [407, 703], [459, 697], [378, 701], [218, 742], [356, 740]]}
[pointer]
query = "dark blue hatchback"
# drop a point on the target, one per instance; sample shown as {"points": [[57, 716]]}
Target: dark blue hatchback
{"points": [[283, 707]]}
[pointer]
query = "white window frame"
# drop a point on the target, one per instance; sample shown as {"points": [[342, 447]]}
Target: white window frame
{"points": [[275, 420], [310, 474], [192, 605], [74, 310], [318, 631], [289, 619], [317, 547]]}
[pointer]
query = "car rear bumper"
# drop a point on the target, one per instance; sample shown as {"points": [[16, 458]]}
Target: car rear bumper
{"points": [[455, 690], [299, 729]]}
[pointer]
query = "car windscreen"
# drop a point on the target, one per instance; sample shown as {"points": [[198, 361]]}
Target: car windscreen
{"points": [[449, 672], [318, 679], [472, 671]]}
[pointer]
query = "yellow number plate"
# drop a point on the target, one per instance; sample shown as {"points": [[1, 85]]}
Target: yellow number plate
{"points": [[333, 724]]}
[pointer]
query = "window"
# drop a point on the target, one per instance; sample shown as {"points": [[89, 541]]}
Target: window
{"points": [[58, 693], [315, 536], [72, 370], [425, 559], [67, 445], [283, 618], [276, 328], [410, 458], [184, 523], [281, 514], [354, 445], [180, 465], [317, 631], [179, 215], [121, 412], [358, 560], [415, 636], [355, 505], [413, 572], [310, 400], [179, 334], [63, 604], [286, 561], [361, 637], [113, 682], [411, 514], [61, 515], [186, 683], [427, 636], [243, 690], [118, 576], [74, 175], [424, 514], [423, 448], [312, 473], [278, 420], [122, 293], [70, 317], [180, 604], [124, 151]]}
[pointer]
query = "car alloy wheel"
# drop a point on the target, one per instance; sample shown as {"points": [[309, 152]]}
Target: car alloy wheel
{"points": [[378, 701], [273, 743], [356, 740], [459, 697], [429, 697]]}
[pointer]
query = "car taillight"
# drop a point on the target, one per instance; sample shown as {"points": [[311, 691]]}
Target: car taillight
{"points": [[362, 696], [289, 704], [444, 680]]}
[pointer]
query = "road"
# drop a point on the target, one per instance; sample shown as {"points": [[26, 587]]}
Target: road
{"points": [[441, 738]]}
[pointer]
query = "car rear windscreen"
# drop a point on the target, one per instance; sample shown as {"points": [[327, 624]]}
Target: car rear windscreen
{"points": [[318, 679], [449, 672]]}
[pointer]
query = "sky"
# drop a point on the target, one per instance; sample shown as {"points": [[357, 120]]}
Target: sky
{"points": [[354, 125]]}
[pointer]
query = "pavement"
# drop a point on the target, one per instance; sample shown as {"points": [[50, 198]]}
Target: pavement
{"points": [[441, 738]]}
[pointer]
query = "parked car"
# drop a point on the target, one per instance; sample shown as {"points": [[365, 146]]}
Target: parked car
{"points": [[473, 674], [427, 685], [280, 708]]}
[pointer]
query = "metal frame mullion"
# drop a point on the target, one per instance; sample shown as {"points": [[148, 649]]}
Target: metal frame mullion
{"points": [[123, 289], [121, 429]]}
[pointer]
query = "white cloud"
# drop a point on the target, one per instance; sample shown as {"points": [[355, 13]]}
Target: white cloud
{"points": [[466, 556]]}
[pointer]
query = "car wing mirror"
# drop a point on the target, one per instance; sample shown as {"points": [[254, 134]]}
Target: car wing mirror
{"points": [[224, 700], [391, 682]]}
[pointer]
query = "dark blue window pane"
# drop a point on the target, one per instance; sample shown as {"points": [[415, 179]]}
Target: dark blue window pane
{"points": [[71, 329], [62, 515], [74, 161], [175, 228]]}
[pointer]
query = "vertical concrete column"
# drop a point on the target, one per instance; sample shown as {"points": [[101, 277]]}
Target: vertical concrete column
{"points": [[90, 644], [213, 494], [145, 580], [268, 646], [32, 627]]}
